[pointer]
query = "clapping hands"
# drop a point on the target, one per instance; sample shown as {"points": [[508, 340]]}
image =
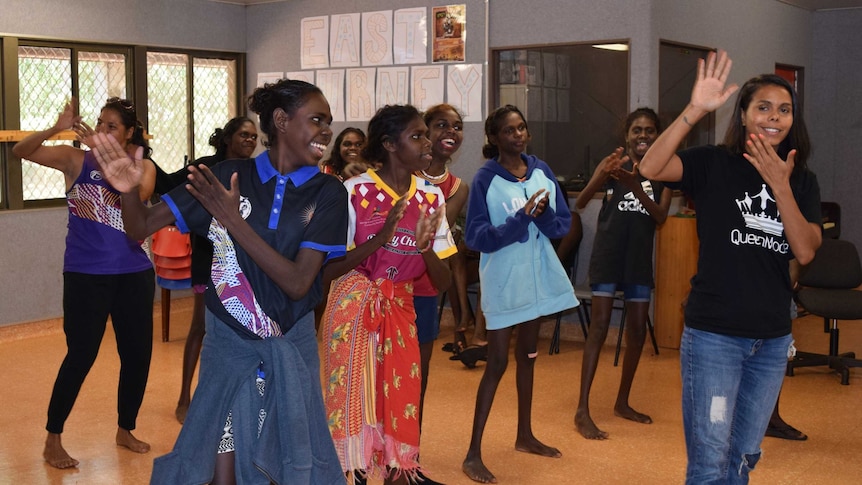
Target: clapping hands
{"points": [[122, 171]]}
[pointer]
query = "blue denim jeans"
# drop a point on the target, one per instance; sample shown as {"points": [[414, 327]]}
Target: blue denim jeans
{"points": [[729, 389]]}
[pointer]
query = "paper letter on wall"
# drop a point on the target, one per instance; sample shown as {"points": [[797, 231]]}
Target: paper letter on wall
{"points": [[344, 40], [392, 85], [464, 90], [427, 84], [410, 36], [377, 38], [307, 76], [331, 82], [360, 104], [314, 46]]}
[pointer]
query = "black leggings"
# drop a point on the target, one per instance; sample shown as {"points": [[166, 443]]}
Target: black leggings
{"points": [[88, 300]]}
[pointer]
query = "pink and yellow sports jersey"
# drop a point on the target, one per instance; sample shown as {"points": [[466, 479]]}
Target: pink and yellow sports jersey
{"points": [[370, 202]]}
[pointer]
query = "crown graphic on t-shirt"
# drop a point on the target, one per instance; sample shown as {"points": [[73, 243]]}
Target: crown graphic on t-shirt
{"points": [[760, 212]]}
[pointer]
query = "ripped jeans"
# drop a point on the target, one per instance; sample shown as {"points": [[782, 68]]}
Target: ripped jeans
{"points": [[729, 389]]}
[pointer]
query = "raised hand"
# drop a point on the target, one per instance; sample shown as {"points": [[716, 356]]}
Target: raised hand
{"points": [[427, 225], [68, 120], [613, 162], [392, 219], [122, 171], [220, 202], [629, 179], [84, 133], [769, 165], [709, 91]]}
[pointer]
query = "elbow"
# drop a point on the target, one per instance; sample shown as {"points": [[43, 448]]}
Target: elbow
{"points": [[17, 151], [136, 233], [805, 257], [646, 170]]}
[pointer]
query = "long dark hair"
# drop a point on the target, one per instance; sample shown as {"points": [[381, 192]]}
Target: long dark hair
{"points": [[492, 128], [387, 124], [287, 94], [335, 160], [220, 139], [797, 137], [129, 118]]}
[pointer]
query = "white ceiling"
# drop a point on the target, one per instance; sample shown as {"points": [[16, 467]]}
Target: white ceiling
{"points": [[806, 4]]}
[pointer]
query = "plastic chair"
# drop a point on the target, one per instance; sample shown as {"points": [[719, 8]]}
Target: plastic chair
{"points": [[172, 257], [828, 289]]}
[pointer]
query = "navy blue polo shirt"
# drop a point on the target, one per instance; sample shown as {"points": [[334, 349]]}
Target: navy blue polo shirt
{"points": [[302, 209]]}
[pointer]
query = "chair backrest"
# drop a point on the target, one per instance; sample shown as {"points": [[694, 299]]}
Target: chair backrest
{"points": [[835, 265]]}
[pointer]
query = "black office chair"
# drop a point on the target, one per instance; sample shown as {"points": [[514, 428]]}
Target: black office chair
{"points": [[571, 245], [828, 289], [583, 295]]}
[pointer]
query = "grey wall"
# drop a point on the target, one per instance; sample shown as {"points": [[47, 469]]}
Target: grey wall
{"points": [[834, 110], [32, 241], [756, 33], [163, 23], [274, 39]]}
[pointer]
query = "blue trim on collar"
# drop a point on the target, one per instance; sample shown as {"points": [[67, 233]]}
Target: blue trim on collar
{"points": [[266, 171]]}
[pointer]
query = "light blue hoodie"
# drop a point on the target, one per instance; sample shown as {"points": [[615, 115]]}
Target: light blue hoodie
{"points": [[520, 275]]}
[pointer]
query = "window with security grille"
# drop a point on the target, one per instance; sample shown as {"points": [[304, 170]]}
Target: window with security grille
{"points": [[46, 85], [189, 93], [181, 121]]}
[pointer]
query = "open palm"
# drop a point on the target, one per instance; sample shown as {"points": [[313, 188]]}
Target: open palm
{"points": [[123, 172], [709, 91]]}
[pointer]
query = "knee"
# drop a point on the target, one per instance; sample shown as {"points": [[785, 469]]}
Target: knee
{"points": [[527, 358], [496, 367], [746, 465]]}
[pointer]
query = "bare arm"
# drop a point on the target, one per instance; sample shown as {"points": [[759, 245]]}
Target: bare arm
{"points": [[358, 254], [426, 230], [64, 158], [657, 211], [294, 278], [600, 176], [707, 95], [455, 204]]}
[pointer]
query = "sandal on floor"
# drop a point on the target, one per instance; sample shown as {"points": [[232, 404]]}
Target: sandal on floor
{"points": [[785, 432], [459, 344], [473, 354]]}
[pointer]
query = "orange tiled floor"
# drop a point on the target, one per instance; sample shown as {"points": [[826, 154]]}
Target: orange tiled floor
{"points": [[635, 454]]}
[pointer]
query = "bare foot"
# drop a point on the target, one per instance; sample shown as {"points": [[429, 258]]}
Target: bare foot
{"points": [[536, 447], [475, 469], [182, 410], [55, 454], [624, 411], [125, 439], [588, 429]]}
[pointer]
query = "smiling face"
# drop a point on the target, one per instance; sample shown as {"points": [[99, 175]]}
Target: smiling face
{"points": [[446, 132], [413, 148], [351, 147], [111, 123], [640, 136], [513, 136], [303, 137], [242, 143], [770, 113]]}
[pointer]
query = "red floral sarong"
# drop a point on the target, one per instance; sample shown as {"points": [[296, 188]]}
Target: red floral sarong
{"points": [[372, 379]]}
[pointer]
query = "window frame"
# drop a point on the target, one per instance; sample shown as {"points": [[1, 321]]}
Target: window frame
{"points": [[11, 177]]}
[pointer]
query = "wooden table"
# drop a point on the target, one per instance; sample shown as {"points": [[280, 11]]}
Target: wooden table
{"points": [[676, 263]]}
